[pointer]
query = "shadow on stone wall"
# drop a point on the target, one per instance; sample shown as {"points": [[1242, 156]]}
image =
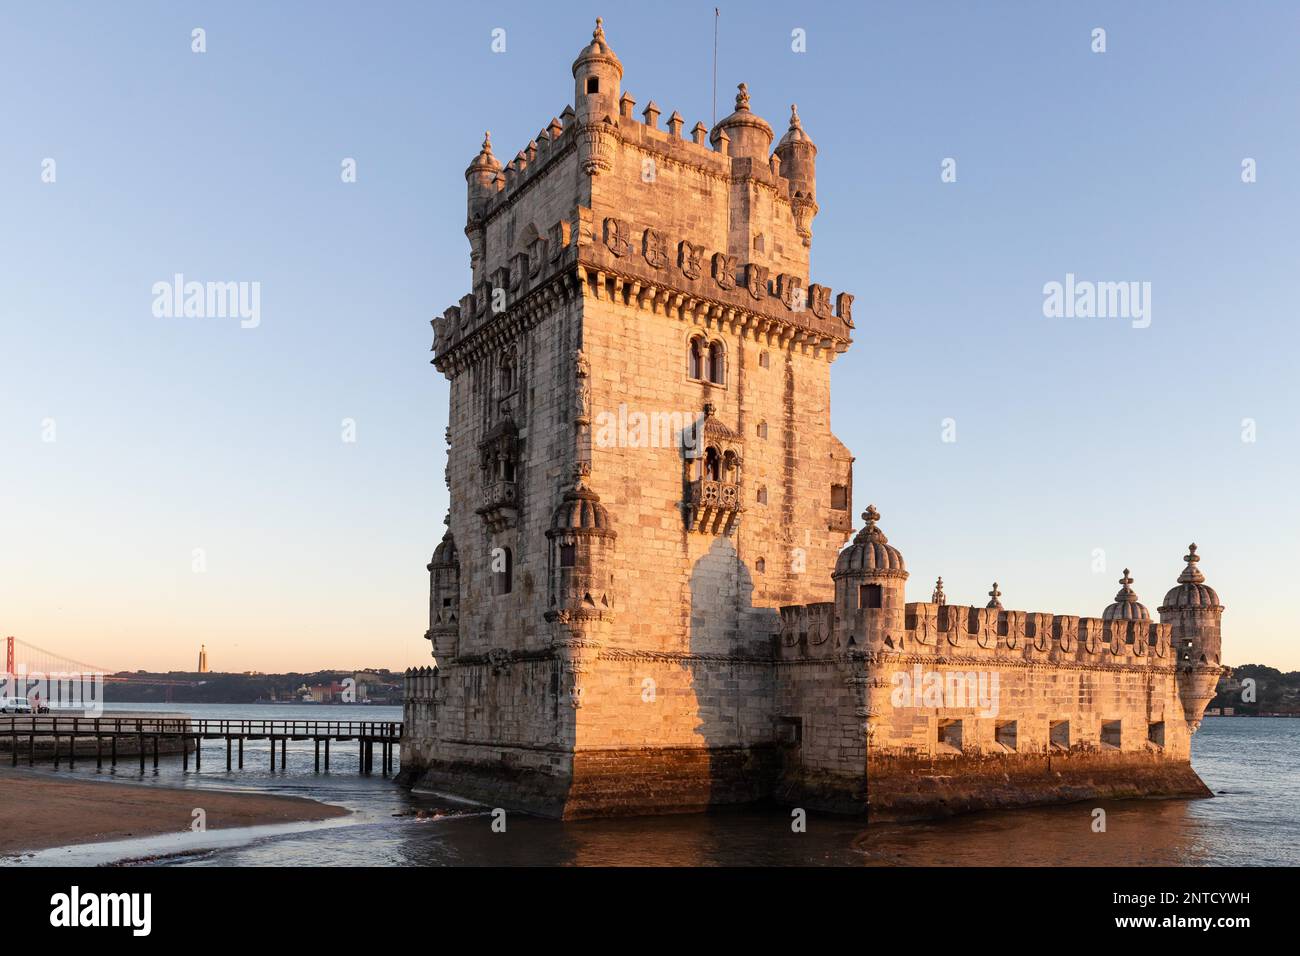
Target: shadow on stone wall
{"points": [[732, 678]]}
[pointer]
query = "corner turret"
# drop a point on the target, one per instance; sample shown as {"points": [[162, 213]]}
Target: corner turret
{"points": [[597, 75], [798, 159], [748, 134], [1194, 611], [869, 588], [444, 597]]}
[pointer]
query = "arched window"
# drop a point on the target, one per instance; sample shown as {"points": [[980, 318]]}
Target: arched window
{"points": [[712, 464], [762, 494], [593, 84], [717, 364], [760, 566], [695, 359], [568, 555], [506, 374]]}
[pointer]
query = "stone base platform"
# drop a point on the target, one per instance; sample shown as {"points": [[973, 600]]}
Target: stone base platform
{"points": [[604, 783]]}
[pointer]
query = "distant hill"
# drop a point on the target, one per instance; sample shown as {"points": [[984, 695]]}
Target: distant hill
{"points": [[180, 687], [1275, 692]]}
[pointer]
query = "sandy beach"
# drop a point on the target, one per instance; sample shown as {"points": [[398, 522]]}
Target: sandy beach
{"points": [[37, 811]]}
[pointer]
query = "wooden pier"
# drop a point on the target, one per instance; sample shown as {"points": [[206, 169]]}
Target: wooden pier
{"points": [[145, 733]]}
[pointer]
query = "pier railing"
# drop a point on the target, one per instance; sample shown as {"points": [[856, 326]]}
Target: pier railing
{"points": [[192, 731], [53, 725]]}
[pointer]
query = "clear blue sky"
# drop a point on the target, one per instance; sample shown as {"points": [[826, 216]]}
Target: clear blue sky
{"points": [[1072, 434]]}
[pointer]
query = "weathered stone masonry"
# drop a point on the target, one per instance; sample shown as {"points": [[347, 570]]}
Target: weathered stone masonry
{"points": [[633, 610]]}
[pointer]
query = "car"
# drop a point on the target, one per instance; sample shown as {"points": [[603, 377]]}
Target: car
{"points": [[15, 705]]}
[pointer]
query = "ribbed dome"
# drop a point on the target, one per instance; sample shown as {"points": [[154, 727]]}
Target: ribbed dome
{"points": [[870, 551], [795, 134], [1126, 606], [581, 510], [484, 161], [1192, 591], [742, 119], [445, 554], [598, 50]]}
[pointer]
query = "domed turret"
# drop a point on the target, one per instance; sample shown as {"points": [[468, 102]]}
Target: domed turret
{"points": [[481, 177], [1192, 591], [750, 136], [869, 587], [1126, 606], [798, 158], [597, 74], [870, 551], [581, 547], [444, 596], [580, 510], [1195, 615]]}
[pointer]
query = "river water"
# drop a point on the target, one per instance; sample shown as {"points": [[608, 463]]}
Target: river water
{"points": [[1252, 765]]}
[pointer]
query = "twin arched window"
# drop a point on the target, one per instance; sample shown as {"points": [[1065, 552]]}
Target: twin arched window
{"points": [[706, 361]]}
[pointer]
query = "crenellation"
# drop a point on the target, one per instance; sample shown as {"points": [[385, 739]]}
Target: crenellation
{"points": [[643, 602]]}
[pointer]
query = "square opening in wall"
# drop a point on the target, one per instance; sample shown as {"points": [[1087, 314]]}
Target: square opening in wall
{"points": [[1156, 733], [1110, 734], [789, 731], [870, 595], [1059, 736], [949, 736], [1004, 734]]}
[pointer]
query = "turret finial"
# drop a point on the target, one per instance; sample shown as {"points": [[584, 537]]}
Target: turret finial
{"points": [[599, 32], [1191, 574], [994, 595], [742, 97], [487, 142], [794, 116], [938, 597]]}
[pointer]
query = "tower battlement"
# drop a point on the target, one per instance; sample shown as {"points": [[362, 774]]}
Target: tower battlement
{"points": [[642, 602]]}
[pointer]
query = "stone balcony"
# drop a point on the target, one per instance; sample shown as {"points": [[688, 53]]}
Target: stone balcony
{"points": [[500, 506], [714, 505]]}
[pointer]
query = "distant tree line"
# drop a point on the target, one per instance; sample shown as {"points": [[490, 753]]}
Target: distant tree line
{"points": [[1275, 692], [220, 688]]}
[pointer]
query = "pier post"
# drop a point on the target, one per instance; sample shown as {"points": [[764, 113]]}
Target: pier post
{"points": [[72, 751], [112, 752], [139, 739], [31, 749], [361, 756], [272, 739], [318, 755], [56, 751], [227, 753], [13, 748], [99, 752], [327, 755], [241, 753], [284, 760], [185, 756], [198, 754]]}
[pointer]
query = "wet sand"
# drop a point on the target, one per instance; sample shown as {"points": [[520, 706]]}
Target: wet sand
{"points": [[38, 812]]}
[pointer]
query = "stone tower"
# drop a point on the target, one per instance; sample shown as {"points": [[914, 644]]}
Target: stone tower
{"points": [[640, 461], [1193, 608]]}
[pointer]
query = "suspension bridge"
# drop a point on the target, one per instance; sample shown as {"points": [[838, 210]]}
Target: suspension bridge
{"points": [[64, 736], [24, 658]]}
